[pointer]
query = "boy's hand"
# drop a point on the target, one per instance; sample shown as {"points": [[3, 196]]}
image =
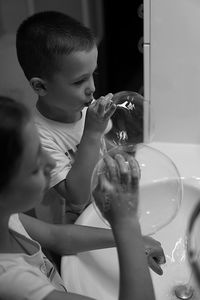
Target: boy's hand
{"points": [[155, 254], [98, 114], [116, 192]]}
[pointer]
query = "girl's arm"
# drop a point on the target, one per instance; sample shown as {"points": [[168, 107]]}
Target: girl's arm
{"points": [[135, 279], [117, 197]]}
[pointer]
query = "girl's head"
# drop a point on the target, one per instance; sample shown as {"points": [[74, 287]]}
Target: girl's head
{"points": [[24, 166]]}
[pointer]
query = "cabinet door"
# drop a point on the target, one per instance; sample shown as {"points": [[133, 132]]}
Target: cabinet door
{"points": [[147, 7], [175, 69]]}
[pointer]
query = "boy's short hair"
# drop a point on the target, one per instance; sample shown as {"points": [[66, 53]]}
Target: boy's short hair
{"points": [[44, 36]]}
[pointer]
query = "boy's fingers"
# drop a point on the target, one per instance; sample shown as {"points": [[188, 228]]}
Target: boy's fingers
{"points": [[109, 96], [110, 111], [99, 106], [154, 265], [109, 101], [104, 106]]}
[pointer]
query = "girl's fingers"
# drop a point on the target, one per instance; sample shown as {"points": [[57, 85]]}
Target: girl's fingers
{"points": [[103, 193], [120, 170], [124, 169], [111, 169], [104, 184], [134, 169]]}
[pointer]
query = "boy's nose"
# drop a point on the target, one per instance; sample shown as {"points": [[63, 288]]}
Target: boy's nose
{"points": [[89, 92], [90, 89]]}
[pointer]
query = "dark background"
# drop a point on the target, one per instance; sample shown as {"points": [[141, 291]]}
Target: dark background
{"points": [[120, 60]]}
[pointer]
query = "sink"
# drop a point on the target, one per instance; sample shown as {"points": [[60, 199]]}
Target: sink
{"points": [[177, 271], [96, 273]]}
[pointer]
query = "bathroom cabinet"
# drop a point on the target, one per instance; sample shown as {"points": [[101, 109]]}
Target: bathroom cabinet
{"points": [[172, 68]]}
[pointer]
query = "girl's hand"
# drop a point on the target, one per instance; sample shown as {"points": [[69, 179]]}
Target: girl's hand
{"points": [[98, 114], [116, 192]]}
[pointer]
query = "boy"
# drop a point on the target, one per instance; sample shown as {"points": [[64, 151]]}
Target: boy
{"points": [[59, 56]]}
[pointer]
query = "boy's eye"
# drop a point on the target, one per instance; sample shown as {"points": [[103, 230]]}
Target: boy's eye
{"points": [[35, 171], [79, 82]]}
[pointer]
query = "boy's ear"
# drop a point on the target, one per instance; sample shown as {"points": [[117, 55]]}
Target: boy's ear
{"points": [[39, 86]]}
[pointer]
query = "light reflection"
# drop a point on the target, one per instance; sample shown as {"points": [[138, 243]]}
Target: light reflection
{"points": [[179, 252]]}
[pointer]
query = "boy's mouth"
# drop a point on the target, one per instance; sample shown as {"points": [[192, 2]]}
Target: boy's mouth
{"points": [[89, 102]]}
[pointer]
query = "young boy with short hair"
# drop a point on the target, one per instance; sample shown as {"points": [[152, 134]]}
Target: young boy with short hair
{"points": [[59, 57]]}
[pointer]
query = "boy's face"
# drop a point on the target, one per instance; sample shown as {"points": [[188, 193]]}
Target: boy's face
{"points": [[72, 87]]}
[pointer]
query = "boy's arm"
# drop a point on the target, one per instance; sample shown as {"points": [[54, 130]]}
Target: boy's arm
{"points": [[76, 187], [56, 295], [67, 239], [71, 239]]}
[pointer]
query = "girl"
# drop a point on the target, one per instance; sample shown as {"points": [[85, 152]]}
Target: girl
{"points": [[25, 272]]}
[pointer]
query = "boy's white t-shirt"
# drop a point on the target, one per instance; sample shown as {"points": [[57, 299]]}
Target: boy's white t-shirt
{"points": [[61, 140]]}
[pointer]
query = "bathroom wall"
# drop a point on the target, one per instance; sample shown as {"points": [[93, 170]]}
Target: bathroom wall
{"points": [[12, 79], [172, 69]]}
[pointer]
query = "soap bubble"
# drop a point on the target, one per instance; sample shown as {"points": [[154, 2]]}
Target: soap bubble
{"points": [[160, 186], [128, 126]]}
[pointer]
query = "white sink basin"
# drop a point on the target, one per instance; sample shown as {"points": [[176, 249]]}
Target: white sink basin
{"points": [[176, 271], [96, 273]]}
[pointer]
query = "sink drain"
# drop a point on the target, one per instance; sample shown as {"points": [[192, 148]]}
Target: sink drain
{"points": [[183, 292]]}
